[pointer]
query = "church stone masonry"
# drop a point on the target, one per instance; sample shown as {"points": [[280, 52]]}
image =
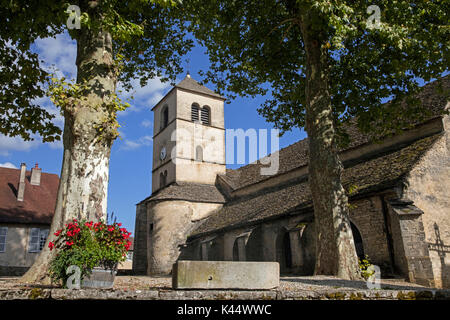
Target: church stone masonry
{"points": [[199, 210]]}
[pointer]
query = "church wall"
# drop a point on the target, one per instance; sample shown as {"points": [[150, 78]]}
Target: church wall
{"points": [[163, 140], [212, 142], [169, 224], [171, 101], [192, 135], [267, 241], [367, 216], [428, 185], [198, 172]]}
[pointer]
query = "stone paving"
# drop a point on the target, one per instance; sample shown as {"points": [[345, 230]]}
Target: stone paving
{"points": [[291, 288]]}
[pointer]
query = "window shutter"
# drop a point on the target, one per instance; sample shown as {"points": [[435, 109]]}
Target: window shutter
{"points": [[205, 116], [194, 113], [3, 233], [34, 240]]}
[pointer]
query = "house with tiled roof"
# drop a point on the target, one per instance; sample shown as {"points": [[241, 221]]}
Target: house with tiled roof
{"points": [[27, 204], [398, 188]]}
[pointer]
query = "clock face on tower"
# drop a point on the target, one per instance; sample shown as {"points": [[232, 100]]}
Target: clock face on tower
{"points": [[163, 153]]}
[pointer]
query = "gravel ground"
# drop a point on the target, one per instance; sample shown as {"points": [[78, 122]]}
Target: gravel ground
{"points": [[316, 283]]}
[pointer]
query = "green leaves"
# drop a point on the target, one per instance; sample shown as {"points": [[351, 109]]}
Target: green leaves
{"points": [[150, 34], [257, 46]]}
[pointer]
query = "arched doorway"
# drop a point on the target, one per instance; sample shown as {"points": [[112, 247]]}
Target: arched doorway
{"points": [[255, 246], [284, 253], [357, 239]]}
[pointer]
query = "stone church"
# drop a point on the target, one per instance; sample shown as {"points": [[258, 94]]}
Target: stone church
{"points": [[200, 210]]}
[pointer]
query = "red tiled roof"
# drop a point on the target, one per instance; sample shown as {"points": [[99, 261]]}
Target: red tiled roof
{"points": [[39, 202]]}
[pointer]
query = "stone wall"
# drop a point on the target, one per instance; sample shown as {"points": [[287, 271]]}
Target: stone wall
{"points": [[428, 185], [410, 249], [169, 224], [367, 216], [140, 240], [267, 241]]}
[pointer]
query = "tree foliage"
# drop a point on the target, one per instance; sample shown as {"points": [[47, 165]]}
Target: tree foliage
{"points": [[148, 39], [257, 47]]}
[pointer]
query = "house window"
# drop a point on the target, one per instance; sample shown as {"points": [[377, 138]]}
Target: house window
{"points": [[195, 112], [3, 232], [130, 255], [205, 115], [164, 117], [37, 239]]}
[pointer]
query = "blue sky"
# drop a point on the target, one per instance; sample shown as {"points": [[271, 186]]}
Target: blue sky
{"points": [[131, 155]]}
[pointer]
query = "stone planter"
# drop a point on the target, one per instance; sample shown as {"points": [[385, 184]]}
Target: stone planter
{"points": [[100, 278]]}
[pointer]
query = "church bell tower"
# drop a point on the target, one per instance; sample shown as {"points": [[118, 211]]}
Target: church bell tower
{"points": [[189, 136]]}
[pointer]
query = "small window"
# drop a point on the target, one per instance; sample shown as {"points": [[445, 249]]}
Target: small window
{"points": [[37, 239], [163, 179], [3, 232], [164, 117], [151, 226], [195, 112], [205, 115], [199, 153]]}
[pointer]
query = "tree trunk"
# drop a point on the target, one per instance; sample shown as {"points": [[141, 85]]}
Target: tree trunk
{"points": [[83, 185], [335, 249]]}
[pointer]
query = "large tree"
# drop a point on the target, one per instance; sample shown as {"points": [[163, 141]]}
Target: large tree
{"points": [[325, 62], [117, 41]]}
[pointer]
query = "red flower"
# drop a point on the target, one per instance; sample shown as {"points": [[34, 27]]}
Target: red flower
{"points": [[69, 243], [111, 229], [57, 233], [51, 245]]}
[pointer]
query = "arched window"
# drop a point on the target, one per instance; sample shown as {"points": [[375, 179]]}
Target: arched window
{"points": [[205, 115], [163, 179], [164, 117], [195, 112], [198, 153]]}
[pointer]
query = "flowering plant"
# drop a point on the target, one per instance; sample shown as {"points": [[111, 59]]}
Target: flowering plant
{"points": [[88, 244]]}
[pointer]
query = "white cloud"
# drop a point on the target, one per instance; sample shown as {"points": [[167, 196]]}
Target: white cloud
{"points": [[61, 52], [8, 144], [142, 141], [8, 165], [130, 145], [56, 144], [146, 123], [143, 97]]}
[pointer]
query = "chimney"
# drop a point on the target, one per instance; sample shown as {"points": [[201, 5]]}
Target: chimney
{"points": [[21, 189], [35, 176]]}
